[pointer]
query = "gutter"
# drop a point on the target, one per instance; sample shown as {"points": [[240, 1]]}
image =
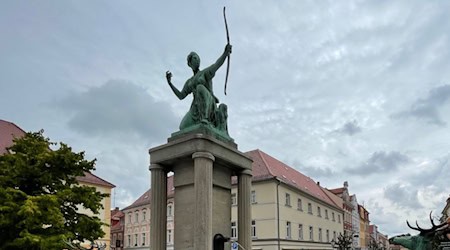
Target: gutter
{"points": [[278, 214]]}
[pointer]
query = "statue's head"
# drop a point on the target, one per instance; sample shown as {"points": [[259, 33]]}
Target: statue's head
{"points": [[405, 240], [193, 60]]}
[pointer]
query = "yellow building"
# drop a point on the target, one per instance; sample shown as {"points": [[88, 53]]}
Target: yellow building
{"points": [[364, 235], [104, 214], [289, 209]]}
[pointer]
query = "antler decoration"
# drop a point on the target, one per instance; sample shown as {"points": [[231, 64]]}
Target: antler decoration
{"points": [[435, 228]]}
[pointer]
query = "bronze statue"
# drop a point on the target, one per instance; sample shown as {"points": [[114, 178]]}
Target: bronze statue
{"points": [[204, 109]]}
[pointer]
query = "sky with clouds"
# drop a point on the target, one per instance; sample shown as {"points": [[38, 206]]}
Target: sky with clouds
{"points": [[355, 91]]}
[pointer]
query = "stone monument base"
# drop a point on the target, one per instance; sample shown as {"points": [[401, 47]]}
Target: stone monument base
{"points": [[203, 166]]}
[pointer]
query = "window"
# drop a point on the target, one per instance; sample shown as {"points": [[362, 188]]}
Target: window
{"points": [[334, 235], [233, 199], [288, 229], [326, 214], [169, 210], [129, 218], [309, 208], [299, 204], [311, 233], [144, 213], [300, 232], [318, 212], [339, 218], [332, 216], [253, 228], [119, 241], [143, 239], [233, 230], [288, 200], [135, 240], [328, 235], [320, 234], [253, 197], [136, 216], [129, 240], [169, 236]]}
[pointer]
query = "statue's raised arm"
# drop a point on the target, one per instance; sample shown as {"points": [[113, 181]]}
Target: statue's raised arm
{"points": [[180, 94], [213, 68]]}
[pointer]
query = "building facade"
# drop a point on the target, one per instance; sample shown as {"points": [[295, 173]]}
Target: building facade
{"points": [[445, 214], [347, 206], [104, 214], [289, 209], [117, 229], [364, 235], [355, 223], [137, 220]]}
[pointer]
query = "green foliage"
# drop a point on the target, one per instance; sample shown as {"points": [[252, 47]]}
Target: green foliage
{"points": [[40, 196], [344, 241]]}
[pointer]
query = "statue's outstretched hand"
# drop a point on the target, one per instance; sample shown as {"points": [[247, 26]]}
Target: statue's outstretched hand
{"points": [[168, 76], [228, 49]]}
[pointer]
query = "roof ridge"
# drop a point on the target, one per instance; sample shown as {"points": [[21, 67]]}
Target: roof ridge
{"points": [[265, 162], [103, 180], [332, 200], [12, 123]]}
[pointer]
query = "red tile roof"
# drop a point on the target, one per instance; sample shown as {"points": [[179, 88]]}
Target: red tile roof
{"points": [[337, 191], [9, 131], [116, 214], [89, 178], [267, 167], [146, 198]]}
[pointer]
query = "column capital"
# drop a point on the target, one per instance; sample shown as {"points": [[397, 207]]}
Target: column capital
{"points": [[203, 155], [155, 166], [245, 172]]}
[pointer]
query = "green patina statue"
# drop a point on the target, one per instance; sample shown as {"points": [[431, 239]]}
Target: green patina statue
{"points": [[204, 110], [424, 240]]}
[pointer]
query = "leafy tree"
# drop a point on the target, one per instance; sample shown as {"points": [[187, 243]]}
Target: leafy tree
{"points": [[40, 196], [373, 245], [344, 241]]}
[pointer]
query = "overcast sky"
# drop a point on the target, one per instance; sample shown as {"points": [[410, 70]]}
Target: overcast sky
{"points": [[355, 91]]}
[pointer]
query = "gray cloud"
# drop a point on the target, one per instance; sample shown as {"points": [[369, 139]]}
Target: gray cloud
{"points": [[316, 172], [402, 195], [435, 173], [349, 128], [427, 108], [119, 108], [380, 162]]}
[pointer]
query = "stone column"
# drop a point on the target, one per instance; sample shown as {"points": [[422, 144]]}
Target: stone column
{"points": [[244, 209], [158, 212], [203, 178]]}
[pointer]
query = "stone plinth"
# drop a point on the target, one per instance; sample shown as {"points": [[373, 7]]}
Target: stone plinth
{"points": [[202, 167]]}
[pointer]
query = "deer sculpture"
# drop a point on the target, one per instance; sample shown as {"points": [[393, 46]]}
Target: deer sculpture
{"points": [[422, 241]]}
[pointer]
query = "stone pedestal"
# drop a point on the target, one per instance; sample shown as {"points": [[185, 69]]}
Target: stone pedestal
{"points": [[203, 167]]}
